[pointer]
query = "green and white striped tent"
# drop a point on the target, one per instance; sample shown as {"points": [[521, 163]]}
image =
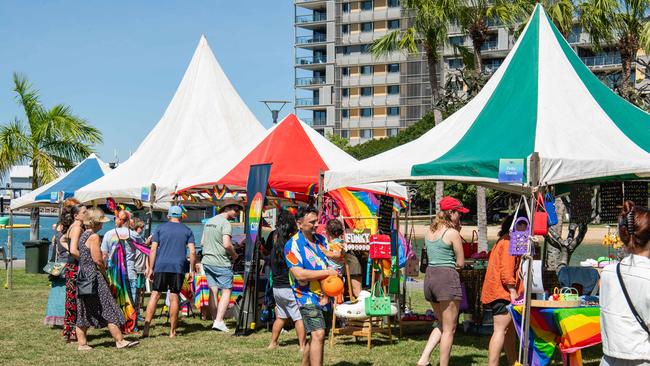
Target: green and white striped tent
{"points": [[542, 99]]}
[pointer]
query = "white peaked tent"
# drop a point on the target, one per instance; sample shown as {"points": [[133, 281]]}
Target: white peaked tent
{"points": [[205, 126], [87, 171], [541, 99]]}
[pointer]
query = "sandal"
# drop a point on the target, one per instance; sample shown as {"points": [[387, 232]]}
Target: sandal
{"points": [[129, 345]]}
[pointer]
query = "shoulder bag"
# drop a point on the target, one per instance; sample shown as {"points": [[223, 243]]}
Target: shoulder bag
{"points": [[638, 318]]}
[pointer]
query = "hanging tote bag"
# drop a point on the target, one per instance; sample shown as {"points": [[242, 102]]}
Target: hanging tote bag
{"points": [[519, 239], [540, 220], [470, 248], [379, 246], [549, 205], [54, 268], [377, 305]]}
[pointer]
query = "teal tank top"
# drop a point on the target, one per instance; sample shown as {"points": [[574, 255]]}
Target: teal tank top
{"points": [[440, 254]]}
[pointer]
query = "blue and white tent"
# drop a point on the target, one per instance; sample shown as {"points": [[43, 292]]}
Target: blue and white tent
{"points": [[88, 171]]}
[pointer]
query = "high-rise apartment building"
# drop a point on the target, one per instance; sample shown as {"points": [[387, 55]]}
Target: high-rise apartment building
{"points": [[342, 89]]}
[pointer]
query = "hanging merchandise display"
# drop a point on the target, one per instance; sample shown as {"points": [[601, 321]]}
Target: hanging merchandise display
{"points": [[378, 304], [549, 206], [379, 246], [581, 209], [470, 248], [520, 231], [540, 221], [385, 213], [612, 196]]}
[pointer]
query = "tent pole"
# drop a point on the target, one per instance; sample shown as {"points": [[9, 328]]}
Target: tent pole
{"points": [[534, 185], [10, 273], [321, 190]]}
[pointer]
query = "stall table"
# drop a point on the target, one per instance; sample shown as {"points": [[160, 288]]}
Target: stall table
{"points": [[569, 329]]}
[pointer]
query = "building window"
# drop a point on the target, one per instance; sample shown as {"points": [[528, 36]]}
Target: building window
{"points": [[393, 111], [345, 134], [393, 24], [345, 28], [366, 5], [457, 40], [345, 92], [366, 70], [364, 48], [345, 71], [345, 50], [455, 63], [345, 7], [393, 3], [392, 132], [393, 67], [320, 118], [366, 112], [345, 113], [366, 27], [365, 134], [393, 89], [366, 91]]}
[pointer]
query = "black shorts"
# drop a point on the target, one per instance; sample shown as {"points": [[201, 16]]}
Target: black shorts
{"points": [[163, 281], [499, 307]]}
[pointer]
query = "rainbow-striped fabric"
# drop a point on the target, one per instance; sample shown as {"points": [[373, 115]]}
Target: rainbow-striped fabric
{"points": [[201, 291], [118, 281], [569, 329]]}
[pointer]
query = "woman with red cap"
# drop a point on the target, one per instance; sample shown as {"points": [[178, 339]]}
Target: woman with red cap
{"points": [[442, 283]]}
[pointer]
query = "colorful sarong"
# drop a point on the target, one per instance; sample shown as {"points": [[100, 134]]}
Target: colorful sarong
{"points": [[569, 329]]}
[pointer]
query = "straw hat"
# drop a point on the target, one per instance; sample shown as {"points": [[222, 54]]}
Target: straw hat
{"points": [[95, 216]]}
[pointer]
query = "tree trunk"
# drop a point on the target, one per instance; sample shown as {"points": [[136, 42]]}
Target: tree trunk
{"points": [[34, 217], [432, 63], [481, 219], [627, 46]]}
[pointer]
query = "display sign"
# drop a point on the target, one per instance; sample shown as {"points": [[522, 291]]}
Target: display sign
{"points": [[357, 240], [56, 197], [144, 194], [511, 171]]}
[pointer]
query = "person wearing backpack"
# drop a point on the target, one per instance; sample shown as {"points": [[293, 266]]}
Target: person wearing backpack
{"points": [[625, 294], [134, 264]]}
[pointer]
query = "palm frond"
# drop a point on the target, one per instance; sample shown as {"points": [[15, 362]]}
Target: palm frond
{"points": [[15, 145], [28, 98], [61, 122], [46, 168]]}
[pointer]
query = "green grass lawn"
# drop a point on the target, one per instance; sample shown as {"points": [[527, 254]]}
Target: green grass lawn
{"points": [[24, 340]]}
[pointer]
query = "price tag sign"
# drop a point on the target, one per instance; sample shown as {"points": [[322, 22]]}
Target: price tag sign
{"points": [[511, 171], [54, 197]]}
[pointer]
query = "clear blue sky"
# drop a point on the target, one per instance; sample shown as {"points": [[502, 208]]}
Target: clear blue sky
{"points": [[118, 63]]}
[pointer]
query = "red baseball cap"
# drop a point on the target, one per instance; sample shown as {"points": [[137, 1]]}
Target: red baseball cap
{"points": [[450, 203]]}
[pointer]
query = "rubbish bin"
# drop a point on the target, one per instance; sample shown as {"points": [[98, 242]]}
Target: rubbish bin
{"points": [[36, 252]]}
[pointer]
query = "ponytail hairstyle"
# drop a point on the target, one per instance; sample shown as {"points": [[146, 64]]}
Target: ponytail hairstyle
{"points": [[634, 226], [68, 213], [442, 220]]}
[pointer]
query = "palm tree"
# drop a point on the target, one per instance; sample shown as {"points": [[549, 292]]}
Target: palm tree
{"points": [[427, 32], [561, 13], [48, 140], [621, 24]]}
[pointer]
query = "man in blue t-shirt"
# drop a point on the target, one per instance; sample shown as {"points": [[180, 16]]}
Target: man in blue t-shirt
{"points": [[168, 265]]}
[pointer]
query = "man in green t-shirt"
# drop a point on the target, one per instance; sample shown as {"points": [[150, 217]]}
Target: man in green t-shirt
{"points": [[218, 251]]}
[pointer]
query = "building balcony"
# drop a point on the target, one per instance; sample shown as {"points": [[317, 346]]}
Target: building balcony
{"points": [[315, 122], [311, 60], [490, 46], [318, 38], [307, 102], [311, 18], [602, 60], [309, 81]]}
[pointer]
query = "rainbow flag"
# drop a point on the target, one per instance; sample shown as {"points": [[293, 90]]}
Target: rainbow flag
{"points": [[237, 289], [183, 212], [201, 291], [290, 195], [569, 329], [118, 281], [357, 204], [311, 190]]}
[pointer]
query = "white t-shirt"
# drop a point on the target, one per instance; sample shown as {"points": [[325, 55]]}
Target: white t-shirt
{"points": [[622, 335]]}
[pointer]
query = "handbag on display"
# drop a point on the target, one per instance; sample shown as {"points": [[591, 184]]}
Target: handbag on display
{"points": [[86, 283], [549, 205], [424, 260], [471, 248], [519, 239], [540, 218], [379, 246], [377, 305]]}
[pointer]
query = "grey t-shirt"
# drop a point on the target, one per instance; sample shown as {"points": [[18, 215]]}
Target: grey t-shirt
{"points": [[214, 254]]}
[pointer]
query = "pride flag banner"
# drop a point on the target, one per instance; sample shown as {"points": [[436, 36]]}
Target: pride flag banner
{"points": [[569, 329]]}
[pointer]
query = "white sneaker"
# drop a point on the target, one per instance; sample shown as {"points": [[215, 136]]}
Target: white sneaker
{"points": [[220, 326]]}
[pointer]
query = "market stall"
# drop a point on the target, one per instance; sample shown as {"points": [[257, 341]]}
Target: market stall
{"points": [[542, 119]]}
